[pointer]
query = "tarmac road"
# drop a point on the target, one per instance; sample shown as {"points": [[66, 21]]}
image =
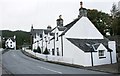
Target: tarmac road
{"points": [[18, 63]]}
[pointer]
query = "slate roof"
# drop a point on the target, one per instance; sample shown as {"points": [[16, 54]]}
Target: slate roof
{"points": [[6, 38], [88, 45], [61, 28], [52, 34], [52, 38], [39, 31], [68, 26], [47, 31]]}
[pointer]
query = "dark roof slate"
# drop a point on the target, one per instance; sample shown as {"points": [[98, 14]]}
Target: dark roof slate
{"points": [[6, 38], [39, 31], [61, 28], [88, 45]]}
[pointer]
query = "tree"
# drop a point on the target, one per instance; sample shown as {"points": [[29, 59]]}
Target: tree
{"points": [[115, 20], [46, 51], [114, 10], [101, 20]]}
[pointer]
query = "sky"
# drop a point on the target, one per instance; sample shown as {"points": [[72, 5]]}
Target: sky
{"points": [[21, 14]]}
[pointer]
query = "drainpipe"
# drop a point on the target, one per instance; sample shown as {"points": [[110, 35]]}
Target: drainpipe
{"points": [[91, 58], [42, 44], [62, 44], [54, 46], [110, 57]]}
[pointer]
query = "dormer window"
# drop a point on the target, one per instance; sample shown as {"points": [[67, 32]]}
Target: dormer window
{"points": [[57, 36], [101, 54]]}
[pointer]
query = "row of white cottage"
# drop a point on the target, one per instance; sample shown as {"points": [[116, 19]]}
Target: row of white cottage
{"points": [[79, 40]]}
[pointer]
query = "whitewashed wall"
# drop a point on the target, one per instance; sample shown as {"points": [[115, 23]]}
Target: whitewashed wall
{"points": [[71, 51], [9, 43], [84, 29], [101, 61], [112, 45]]}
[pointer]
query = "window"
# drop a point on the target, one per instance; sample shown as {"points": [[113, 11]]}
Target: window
{"points": [[10, 45], [11, 42], [57, 51], [53, 53], [7, 42], [101, 53], [57, 36]]}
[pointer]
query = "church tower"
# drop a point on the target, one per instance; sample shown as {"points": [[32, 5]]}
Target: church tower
{"points": [[82, 11]]}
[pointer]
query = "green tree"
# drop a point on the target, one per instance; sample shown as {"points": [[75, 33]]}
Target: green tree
{"points": [[115, 20], [101, 20]]}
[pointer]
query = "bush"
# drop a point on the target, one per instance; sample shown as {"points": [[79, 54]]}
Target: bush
{"points": [[38, 49], [35, 50], [46, 51]]}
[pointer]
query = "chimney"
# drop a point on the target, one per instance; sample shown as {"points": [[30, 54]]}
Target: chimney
{"points": [[60, 21], [49, 27], [82, 11]]}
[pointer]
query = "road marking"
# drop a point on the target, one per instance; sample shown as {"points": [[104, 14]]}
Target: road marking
{"points": [[50, 70]]}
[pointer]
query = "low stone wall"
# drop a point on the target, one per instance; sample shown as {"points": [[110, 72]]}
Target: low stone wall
{"points": [[51, 58]]}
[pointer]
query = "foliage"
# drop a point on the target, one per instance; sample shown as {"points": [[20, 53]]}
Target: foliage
{"points": [[46, 51], [101, 20], [115, 20]]}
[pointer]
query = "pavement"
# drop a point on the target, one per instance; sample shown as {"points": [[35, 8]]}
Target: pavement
{"points": [[108, 68], [2, 68], [18, 63]]}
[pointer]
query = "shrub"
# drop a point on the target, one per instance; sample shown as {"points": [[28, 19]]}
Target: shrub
{"points": [[46, 51], [35, 50], [38, 49]]}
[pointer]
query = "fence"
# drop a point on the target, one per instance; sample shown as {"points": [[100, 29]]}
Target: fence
{"points": [[51, 57]]}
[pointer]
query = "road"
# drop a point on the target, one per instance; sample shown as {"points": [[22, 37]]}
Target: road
{"points": [[18, 63]]}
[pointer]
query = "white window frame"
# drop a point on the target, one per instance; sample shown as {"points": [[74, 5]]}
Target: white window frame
{"points": [[101, 53]]}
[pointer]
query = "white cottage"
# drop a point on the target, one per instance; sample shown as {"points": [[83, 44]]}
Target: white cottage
{"points": [[80, 41], [39, 38], [10, 43]]}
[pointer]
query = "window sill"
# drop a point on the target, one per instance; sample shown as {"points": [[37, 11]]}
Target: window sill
{"points": [[102, 57]]}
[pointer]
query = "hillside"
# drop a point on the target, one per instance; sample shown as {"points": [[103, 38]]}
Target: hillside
{"points": [[22, 37]]}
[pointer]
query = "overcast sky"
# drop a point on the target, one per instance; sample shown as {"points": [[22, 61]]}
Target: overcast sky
{"points": [[21, 14]]}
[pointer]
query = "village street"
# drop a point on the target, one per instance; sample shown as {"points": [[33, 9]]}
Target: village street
{"points": [[18, 63]]}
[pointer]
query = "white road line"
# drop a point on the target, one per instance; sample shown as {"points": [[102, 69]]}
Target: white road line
{"points": [[50, 70]]}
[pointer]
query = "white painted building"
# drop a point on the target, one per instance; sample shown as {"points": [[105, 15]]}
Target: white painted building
{"points": [[79, 40], [10, 43]]}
